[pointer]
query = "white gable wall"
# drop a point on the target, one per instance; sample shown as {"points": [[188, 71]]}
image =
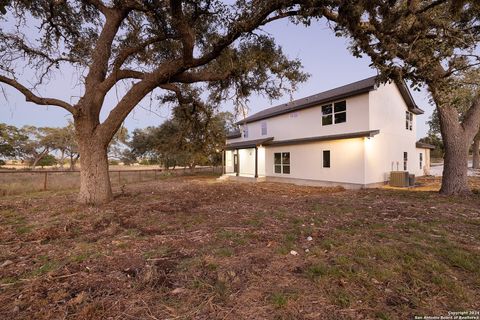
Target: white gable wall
{"points": [[385, 150]]}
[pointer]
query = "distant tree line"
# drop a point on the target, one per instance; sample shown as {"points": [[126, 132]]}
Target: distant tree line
{"points": [[34, 146], [194, 135]]}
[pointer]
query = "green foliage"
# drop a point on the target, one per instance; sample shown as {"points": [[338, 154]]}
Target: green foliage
{"points": [[11, 140], [194, 136], [118, 143], [128, 157], [426, 42], [47, 160], [32, 144], [279, 299], [460, 94], [436, 141]]}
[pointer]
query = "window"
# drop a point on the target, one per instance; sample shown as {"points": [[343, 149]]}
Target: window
{"points": [[264, 128], [421, 160], [245, 131], [326, 158], [336, 113], [408, 120], [405, 161], [282, 162]]}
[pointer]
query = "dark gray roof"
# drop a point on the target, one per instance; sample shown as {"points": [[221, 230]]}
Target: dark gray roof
{"points": [[342, 92], [247, 144], [234, 134], [424, 145], [270, 141], [351, 135]]}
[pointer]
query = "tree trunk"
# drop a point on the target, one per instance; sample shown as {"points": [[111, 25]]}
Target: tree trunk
{"points": [[73, 161], [62, 159], [36, 160], [95, 185], [476, 152], [454, 179]]}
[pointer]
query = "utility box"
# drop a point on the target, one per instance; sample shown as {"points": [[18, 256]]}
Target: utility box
{"points": [[411, 180], [399, 179]]}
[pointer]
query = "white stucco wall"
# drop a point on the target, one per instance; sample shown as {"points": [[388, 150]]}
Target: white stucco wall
{"points": [[261, 161], [308, 122], [425, 170], [229, 161], [385, 150], [247, 161], [306, 161], [360, 161]]}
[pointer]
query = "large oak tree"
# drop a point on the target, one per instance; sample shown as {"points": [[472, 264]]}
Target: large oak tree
{"points": [[146, 45]]}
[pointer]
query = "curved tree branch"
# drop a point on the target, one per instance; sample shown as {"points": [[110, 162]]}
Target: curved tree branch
{"points": [[31, 97]]}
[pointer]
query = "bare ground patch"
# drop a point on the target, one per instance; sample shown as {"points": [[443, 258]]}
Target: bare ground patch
{"points": [[195, 248]]}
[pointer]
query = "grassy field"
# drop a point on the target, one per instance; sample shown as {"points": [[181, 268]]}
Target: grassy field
{"points": [[196, 248], [13, 182]]}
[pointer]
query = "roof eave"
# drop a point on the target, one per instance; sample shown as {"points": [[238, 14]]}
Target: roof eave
{"points": [[305, 106], [353, 135], [234, 136], [417, 111], [408, 98], [247, 144], [423, 145]]}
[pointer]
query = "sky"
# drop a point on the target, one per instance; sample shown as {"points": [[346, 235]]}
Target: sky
{"points": [[325, 57]]}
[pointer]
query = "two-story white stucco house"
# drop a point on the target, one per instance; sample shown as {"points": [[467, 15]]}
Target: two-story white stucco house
{"points": [[353, 136]]}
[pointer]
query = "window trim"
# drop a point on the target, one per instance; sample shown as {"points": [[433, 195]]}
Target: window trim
{"points": [[333, 113], [281, 165], [329, 165], [245, 131], [408, 120], [263, 128]]}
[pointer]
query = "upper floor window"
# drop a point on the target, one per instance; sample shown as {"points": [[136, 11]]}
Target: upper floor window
{"points": [[282, 162], [264, 128], [408, 120], [334, 113], [245, 131]]}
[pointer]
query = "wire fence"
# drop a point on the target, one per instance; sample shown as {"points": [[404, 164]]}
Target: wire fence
{"points": [[14, 182]]}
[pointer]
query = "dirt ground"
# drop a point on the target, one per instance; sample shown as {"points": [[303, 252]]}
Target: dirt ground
{"points": [[196, 248]]}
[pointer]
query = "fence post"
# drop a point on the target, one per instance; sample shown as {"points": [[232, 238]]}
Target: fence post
{"points": [[45, 182]]}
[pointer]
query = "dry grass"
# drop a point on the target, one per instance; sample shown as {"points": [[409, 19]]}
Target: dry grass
{"points": [[195, 248], [12, 183]]}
